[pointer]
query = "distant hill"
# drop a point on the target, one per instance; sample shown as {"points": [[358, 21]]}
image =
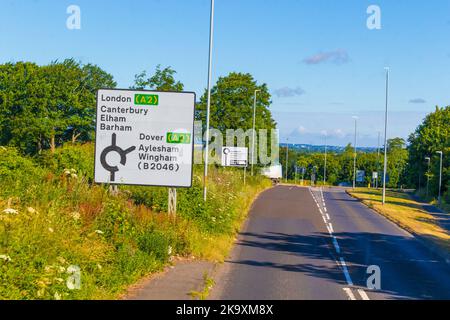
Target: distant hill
{"points": [[309, 148]]}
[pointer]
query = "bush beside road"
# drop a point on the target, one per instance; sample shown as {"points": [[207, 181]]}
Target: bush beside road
{"points": [[55, 221]]}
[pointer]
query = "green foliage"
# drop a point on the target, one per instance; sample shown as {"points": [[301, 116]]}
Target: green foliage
{"points": [[162, 80], [232, 104], [340, 165], [52, 218], [70, 156], [43, 106], [430, 136]]}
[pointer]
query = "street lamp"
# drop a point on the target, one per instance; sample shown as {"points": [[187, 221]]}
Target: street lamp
{"points": [[428, 173], [378, 160], [385, 136], [354, 157], [208, 105], [254, 119], [325, 162], [287, 155], [440, 178]]}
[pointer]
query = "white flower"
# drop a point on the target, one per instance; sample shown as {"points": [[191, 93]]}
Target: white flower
{"points": [[99, 231], [10, 211], [31, 210], [75, 215], [5, 257], [57, 296], [169, 251], [51, 230], [74, 175]]}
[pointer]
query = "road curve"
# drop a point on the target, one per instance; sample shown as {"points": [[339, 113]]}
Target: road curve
{"points": [[308, 243]]}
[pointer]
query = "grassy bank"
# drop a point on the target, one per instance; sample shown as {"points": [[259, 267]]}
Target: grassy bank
{"points": [[54, 220], [406, 212]]}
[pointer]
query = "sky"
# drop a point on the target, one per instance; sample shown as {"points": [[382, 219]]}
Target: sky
{"points": [[321, 62]]}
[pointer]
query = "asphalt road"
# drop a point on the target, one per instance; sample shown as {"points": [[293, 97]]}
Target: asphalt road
{"points": [[308, 243]]}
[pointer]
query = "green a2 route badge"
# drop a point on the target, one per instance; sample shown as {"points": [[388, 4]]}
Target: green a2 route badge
{"points": [[176, 137], [146, 99]]}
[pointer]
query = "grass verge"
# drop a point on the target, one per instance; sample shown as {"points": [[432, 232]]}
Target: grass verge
{"points": [[405, 212], [63, 237]]}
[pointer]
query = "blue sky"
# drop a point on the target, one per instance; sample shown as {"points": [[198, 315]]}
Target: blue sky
{"points": [[320, 61]]}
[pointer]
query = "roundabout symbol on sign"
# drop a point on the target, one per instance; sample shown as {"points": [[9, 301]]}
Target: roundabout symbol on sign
{"points": [[114, 148]]}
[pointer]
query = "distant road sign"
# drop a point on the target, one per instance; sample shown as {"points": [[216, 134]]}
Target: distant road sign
{"points": [[234, 157], [144, 137], [360, 175], [375, 175]]}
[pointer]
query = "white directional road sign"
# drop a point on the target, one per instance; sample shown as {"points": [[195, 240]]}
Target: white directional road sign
{"points": [[144, 137], [234, 157]]}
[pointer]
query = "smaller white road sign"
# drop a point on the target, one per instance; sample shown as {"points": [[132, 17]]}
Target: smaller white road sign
{"points": [[234, 156], [144, 137]]}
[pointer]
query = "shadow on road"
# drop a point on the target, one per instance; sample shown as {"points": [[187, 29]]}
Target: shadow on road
{"points": [[402, 277]]}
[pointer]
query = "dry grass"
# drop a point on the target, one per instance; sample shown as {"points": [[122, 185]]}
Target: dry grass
{"points": [[406, 212]]}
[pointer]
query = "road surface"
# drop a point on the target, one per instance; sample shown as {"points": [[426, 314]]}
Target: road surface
{"points": [[308, 243]]}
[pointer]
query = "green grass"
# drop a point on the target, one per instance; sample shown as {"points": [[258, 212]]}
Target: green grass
{"points": [[406, 212], [56, 218]]}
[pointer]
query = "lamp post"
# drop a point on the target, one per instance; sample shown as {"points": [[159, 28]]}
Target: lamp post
{"points": [[325, 162], [440, 177], [287, 155], [208, 105], [378, 160], [354, 157], [428, 172], [253, 132], [385, 136]]}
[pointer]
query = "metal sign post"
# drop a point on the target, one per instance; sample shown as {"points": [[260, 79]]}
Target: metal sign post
{"points": [[172, 202]]}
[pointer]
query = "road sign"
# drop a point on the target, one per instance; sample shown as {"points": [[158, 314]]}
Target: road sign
{"points": [[144, 137], [374, 175], [234, 156], [360, 175]]}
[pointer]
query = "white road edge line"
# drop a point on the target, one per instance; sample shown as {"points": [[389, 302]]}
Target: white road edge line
{"points": [[349, 293], [363, 294]]}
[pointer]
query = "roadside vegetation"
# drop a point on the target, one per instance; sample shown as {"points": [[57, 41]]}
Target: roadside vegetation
{"points": [[402, 209], [52, 219], [408, 166]]}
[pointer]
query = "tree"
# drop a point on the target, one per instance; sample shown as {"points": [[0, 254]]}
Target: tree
{"points": [[43, 106], [232, 104], [432, 135], [162, 80]]}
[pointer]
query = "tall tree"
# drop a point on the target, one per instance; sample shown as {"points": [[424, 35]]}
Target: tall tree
{"points": [[48, 105], [161, 80], [232, 104], [432, 135]]}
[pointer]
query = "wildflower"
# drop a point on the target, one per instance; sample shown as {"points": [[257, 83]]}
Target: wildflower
{"points": [[75, 215], [59, 280], [74, 175], [61, 260], [99, 231], [31, 210], [99, 266], [10, 211], [5, 257], [61, 269], [51, 230], [57, 296], [169, 251]]}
